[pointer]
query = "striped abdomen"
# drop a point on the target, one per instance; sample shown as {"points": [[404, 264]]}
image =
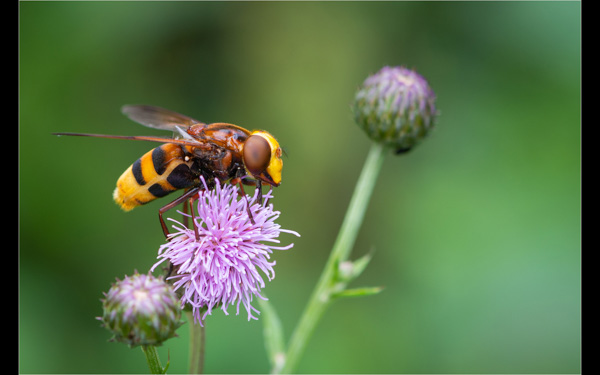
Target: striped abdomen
{"points": [[157, 173]]}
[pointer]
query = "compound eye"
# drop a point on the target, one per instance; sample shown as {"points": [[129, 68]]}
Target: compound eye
{"points": [[257, 154]]}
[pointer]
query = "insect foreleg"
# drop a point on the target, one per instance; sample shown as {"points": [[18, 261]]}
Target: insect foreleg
{"points": [[259, 188], [238, 181]]}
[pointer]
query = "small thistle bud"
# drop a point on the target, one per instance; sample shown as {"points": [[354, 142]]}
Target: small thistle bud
{"points": [[395, 106], [141, 310]]}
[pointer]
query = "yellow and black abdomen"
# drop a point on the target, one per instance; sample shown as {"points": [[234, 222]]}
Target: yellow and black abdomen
{"points": [[157, 173]]}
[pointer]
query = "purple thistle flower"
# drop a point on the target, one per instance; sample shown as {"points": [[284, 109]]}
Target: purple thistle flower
{"points": [[222, 267]]}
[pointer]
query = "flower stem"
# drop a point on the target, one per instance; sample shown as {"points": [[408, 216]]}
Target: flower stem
{"points": [[320, 297], [196, 345], [152, 359]]}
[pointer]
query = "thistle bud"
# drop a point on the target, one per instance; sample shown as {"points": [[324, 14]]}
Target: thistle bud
{"points": [[396, 107], [141, 310]]}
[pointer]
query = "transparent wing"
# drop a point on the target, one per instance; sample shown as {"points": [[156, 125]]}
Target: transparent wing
{"points": [[184, 142], [159, 118]]}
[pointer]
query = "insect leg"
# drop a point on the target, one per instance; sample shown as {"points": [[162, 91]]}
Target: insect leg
{"points": [[171, 269], [191, 201], [238, 181], [259, 188], [185, 216], [188, 194]]}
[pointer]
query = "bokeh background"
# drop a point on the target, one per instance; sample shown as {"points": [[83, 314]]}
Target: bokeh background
{"points": [[476, 233]]}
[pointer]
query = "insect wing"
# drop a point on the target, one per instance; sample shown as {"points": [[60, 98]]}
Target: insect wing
{"points": [[178, 141], [158, 118]]}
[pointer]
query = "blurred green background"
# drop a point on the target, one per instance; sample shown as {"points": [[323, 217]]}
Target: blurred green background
{"points": [[476, 233]]}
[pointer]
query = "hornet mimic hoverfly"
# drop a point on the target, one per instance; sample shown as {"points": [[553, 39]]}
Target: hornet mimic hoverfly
{"points": [[220, 151]]}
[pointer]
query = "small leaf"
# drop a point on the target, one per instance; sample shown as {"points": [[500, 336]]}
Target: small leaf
{"points": [[168, 362], [273, 333], [361, 263], [357, 292], [349, 270]]}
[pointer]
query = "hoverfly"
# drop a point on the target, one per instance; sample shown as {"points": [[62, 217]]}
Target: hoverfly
{"points": [[220, 151]]}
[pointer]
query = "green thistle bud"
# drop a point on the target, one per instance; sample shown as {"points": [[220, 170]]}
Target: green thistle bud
{"points": [[141, 310], [395, 107]]}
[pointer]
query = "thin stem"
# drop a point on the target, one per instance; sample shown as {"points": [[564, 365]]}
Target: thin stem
{"points": [[341, 250], [197, 337], [152, 359]]}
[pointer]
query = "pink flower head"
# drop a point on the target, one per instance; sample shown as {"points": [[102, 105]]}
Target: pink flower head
{"points": [[222, 266]]}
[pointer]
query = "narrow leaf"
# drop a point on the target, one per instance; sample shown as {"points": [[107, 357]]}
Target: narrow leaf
{"points": [[360, 264], [357, 292], [273, 333]]}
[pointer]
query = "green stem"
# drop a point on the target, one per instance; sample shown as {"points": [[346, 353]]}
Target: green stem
{"points": [[196, 345], [152, 359], [320, 297]]}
